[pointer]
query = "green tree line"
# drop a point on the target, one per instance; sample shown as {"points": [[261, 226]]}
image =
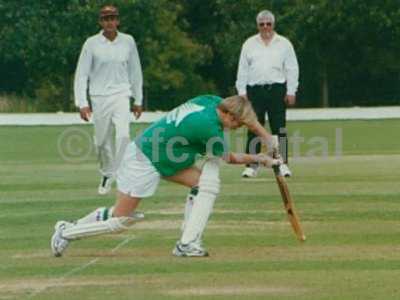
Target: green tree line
{"points": [[348, 50]]}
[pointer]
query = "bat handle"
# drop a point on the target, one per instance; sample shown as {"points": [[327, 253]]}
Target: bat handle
{"points": [[276, 170]]}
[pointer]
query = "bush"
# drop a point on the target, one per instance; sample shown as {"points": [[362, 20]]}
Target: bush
{"points": [[11, 103], [48, 97]]}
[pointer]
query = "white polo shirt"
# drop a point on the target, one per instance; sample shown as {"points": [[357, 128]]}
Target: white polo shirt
{"points": [[109, 67], [266, 64]]}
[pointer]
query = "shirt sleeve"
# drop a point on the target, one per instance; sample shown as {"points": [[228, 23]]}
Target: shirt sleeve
{"points": [[291, 68], [82, 76], [243, 71], [135, 75]]}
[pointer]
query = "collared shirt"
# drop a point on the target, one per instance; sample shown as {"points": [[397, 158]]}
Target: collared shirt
{"points": [[266, 64], [110, 67]]}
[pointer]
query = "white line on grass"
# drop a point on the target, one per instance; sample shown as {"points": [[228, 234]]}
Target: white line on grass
{"points": [[79, 269]]}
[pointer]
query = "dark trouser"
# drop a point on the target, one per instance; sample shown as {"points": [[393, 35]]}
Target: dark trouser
{"points": [[269, 99]]}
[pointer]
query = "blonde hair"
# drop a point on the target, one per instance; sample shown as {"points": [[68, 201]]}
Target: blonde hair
{"points": [[240, 108]]}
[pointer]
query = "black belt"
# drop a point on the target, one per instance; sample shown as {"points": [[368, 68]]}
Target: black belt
{"points": [[265, 86]]}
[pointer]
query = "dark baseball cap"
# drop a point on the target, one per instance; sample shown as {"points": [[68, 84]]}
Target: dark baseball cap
{"points": [[108, 10]]}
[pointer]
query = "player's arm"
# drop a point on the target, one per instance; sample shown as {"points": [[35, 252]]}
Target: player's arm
{"points": [[269, 140], [81, 80], [243, 158], [136, 80], [242, 73], [291, 69]]}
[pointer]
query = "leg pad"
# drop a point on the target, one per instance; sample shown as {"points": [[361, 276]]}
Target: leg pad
{"points": [[111, 225]]}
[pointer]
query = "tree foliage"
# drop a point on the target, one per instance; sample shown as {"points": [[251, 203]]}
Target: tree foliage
{"points": [[350, 44], [347, 49]]}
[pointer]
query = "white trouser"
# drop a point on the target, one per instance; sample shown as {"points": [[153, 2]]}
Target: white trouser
{"points": [[108, 112]]}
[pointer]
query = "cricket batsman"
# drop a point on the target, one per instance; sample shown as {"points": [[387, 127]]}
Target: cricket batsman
{"points": [[168, 149]]}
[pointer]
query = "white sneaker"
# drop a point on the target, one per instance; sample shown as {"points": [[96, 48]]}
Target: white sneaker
{"points": [[58, 243], [105, 185], [284, 170], [250, 172], [189, 250]]}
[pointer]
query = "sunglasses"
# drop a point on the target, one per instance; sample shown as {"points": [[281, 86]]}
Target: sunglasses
{"points": [[265, 24], [109, 18]]}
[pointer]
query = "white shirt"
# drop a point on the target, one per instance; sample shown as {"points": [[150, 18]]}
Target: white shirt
{"points": [[110, 67], [266, 64]]}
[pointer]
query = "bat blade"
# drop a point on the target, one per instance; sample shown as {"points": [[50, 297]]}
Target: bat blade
{"points": [[289, 206]]}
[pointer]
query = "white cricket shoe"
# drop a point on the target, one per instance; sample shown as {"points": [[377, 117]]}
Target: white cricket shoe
{"points": [[58, 243], [284, 170], [105, 185], [250, 172], [189, 250]]}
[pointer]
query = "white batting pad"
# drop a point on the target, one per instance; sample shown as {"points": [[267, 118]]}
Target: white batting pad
{"points": [[99, 214], [209, 184], [112, 225], [189, 205]]}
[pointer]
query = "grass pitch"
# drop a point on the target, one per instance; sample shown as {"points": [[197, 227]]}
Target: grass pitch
{"points": [[348, 205]]}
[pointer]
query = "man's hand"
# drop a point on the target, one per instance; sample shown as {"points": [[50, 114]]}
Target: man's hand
{"points": [[85, 113], [137, 111], [290, 100], [268, 161], [244, 96]]}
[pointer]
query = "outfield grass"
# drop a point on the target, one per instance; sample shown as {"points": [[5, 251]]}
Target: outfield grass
{"points": [[349, 206]]}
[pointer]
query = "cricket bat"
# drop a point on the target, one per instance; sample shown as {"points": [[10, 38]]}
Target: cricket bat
{"points": [[288, 203]]}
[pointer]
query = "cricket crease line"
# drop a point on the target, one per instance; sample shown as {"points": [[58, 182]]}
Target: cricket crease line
{"points": [[80, 268]]}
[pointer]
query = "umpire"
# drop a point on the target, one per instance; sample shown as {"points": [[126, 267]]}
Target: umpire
{"points": [[268, 74]]}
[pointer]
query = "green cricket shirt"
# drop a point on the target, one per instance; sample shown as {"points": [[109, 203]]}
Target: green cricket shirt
{"points": [[174, 142]]}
